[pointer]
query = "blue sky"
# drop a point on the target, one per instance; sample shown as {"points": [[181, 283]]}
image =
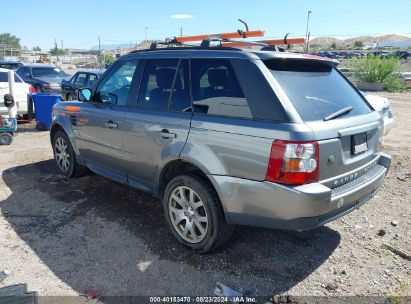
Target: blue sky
{"points": [[78, 23]]}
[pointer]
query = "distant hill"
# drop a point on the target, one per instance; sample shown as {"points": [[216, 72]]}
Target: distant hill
{"points": [[325, 42]]}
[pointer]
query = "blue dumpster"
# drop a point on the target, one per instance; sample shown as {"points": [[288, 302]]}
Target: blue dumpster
{"points": [[43, 104]]}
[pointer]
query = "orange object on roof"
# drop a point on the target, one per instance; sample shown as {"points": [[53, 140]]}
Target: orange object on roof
{"points": [[246, 34], [269, 42]]}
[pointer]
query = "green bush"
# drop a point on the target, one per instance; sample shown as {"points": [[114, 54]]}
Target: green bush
{"points": [[394, 83], [374, 69]]}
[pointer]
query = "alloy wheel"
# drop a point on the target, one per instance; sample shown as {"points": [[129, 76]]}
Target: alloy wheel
{"points": [[62, 154], [188, 214]]}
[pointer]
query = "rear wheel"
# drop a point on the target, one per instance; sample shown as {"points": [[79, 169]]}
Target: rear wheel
{"points": [[65, 157], [194, 213]]}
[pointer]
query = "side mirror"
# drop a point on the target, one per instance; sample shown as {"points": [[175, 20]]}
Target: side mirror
{"points": [[84, 95]]}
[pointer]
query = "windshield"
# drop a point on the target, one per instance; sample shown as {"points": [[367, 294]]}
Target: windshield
{"points": [[48, 72], [316, 90]]}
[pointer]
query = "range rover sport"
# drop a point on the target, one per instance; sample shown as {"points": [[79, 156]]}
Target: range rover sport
{"points": [[227, 137]]}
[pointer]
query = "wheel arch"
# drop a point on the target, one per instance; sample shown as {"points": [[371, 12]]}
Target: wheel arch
{"points": [[178, 167]]}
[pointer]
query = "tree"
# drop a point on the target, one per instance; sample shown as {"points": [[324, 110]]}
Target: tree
{"points": [[109, 59], [37, 49], [359, 44], [334, 45], [10, 40]]}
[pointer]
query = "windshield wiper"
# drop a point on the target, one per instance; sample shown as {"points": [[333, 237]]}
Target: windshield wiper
{"points": [[339, 113]]}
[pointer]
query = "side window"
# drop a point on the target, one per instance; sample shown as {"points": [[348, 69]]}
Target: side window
{"points": [[80, 80], [92, 79], [4, 77], [114, 88], [216, 90], [157, 84]]}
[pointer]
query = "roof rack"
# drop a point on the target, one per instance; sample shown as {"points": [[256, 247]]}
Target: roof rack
{"points": [[227, 40]]}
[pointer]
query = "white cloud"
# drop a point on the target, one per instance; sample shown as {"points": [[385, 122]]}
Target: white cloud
{"points": [[181, 16]]}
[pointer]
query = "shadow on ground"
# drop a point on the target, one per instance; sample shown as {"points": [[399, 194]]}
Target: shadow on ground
{"points": [[94, 233]]}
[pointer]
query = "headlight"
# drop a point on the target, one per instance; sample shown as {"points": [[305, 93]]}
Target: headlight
{"points": [[54, 84]]}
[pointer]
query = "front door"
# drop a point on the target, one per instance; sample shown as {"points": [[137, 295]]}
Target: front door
{"points": [[156, 129], [102, 122]]}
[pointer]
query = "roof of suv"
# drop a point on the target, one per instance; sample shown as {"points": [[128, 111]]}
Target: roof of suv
{"points": [[219, 52]]}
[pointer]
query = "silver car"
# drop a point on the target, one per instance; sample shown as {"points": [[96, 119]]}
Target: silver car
{"points": [[227, 137]]}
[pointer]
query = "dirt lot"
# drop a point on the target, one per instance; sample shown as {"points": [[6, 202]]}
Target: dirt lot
{"points": [[65, 236]]}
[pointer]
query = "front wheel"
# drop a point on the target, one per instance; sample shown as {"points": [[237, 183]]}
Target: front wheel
{"points": [[194, 213], [65, 157]]}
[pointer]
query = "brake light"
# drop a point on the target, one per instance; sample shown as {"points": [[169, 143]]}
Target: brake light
{"points": [[293, 162], [32, 89]]}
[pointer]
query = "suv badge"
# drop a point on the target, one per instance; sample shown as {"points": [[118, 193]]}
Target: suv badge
{"points": [[331, 159]]}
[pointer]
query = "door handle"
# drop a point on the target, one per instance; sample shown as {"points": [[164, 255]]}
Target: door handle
{"points": [[166, 134], [111, 124]]}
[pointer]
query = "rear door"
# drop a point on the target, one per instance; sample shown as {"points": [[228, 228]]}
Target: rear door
{"points": [[102, 122], [156, 129]]}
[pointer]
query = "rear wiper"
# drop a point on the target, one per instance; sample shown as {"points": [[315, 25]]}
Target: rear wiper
{"points": [[339, 113]]}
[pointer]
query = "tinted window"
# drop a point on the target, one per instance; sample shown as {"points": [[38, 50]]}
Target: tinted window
{"points": [[114, 88], [81, 79], [157, 83], [92, 79], [4, 77], [47, 72], [216, 90], [315, 90]]}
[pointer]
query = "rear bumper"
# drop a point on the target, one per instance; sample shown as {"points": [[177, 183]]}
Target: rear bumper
{"points": [[271, 205]]}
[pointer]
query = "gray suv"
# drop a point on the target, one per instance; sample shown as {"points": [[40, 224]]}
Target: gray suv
{"points": [[227, 137]]}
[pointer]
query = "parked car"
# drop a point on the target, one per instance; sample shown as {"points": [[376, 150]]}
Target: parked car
{"points": [[227, 137], [81, 79], [20, 95], [10, 65], [382, 106], [44, 78]]}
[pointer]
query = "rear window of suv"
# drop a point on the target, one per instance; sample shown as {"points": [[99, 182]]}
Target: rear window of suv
{"points": [[316, 90]]}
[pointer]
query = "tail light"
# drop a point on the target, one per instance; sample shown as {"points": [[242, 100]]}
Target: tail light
{"points": [[293, 162], [32, 89]]}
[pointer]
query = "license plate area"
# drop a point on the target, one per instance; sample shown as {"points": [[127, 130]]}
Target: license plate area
{"points": [[359, 143]]}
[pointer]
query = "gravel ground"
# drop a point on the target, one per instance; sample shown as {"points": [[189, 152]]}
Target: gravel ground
{"points": [[65, 236]]}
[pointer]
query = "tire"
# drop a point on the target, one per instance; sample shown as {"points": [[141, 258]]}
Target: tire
{"points": [[203, 209], [65, 157], [38, 88], [6, 139]]}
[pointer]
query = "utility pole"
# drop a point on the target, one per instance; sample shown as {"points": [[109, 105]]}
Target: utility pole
{"points": [[181, 31], [306, 31], [56, 49], [62, 46], [99, 51]]}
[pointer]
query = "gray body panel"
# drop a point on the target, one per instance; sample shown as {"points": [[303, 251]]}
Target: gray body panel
{"points": [[233, 152]]}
